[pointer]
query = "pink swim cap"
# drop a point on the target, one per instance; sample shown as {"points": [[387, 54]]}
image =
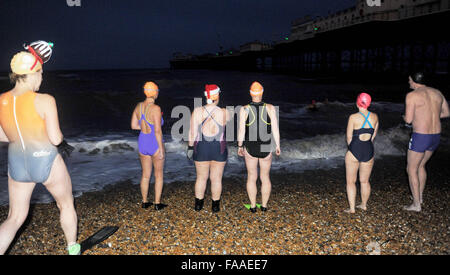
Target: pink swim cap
{"points": [[363, 100]]}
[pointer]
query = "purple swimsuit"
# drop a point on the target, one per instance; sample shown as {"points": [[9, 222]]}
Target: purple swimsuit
{"points": [[147, 143]]}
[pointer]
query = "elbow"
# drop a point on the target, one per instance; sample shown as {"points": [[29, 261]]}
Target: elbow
{"points": [[56, 140]]}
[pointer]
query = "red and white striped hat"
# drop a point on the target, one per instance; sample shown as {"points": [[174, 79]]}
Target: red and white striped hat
{"points": [[211, 90]]}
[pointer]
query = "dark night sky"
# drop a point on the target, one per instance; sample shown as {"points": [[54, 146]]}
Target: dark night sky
{"points": [[121, 34]]}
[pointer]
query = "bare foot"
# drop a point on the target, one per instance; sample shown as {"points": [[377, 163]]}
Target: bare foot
{"points": [[412, 207], [349, 211], [362, 207], [421, 200]]}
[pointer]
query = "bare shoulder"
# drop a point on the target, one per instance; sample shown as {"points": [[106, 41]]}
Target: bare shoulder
{"points": [[375, 116], [156, 108], [353, 116], [45, 99], [270, 107]]}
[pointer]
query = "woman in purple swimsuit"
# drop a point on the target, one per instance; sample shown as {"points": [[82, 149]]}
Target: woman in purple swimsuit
{"points": [[147, 118]]}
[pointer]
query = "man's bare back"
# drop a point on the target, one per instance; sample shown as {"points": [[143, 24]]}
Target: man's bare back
{"points": [[425, 106]]}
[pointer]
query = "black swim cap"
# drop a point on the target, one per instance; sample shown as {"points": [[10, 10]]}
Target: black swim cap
{"points": [[418, 77]]}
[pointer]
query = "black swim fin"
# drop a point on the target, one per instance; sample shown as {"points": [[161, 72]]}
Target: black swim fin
{"points": [[98, 237]]}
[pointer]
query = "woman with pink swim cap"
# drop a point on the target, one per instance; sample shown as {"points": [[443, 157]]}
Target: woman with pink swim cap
{"points": [[361, 130]]}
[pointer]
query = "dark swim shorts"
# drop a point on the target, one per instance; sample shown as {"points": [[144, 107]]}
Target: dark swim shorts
{"points": [[424, 142]]}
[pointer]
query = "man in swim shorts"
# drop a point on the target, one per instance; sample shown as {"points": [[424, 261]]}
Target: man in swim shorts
{"points": [[425, 106]]}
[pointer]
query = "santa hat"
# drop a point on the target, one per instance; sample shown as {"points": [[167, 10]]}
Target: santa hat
{"points": [[211, 90]]}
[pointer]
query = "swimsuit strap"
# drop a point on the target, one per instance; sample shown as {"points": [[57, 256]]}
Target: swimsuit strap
{"points": [[262, 118], [366, 120], [210, 116], [253, 113], [144, 115]]}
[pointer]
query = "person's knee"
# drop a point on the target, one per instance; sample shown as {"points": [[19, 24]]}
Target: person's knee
{"points": [[364, 183], [410, 169], [17, 219], [65, 204]]}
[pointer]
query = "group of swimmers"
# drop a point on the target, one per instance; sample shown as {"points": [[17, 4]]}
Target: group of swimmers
{"points": [[29, 123]]}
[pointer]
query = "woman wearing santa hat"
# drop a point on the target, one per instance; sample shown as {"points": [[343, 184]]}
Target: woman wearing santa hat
{"points": [[207, 146]]}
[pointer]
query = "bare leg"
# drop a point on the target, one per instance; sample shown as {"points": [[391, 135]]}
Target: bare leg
{"points": [[252, 176], [159, 176], [19, 204], [60, 187], [365, 169], [266, 185], [202, 168], [146, 164], [414, 160], [351, 172], [423, 173], [215, 174]]}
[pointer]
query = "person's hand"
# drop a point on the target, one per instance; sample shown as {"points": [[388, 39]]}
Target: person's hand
{"points": [[278, 151], [241, 151], [65, 149], [190, 152], [161, 154]]}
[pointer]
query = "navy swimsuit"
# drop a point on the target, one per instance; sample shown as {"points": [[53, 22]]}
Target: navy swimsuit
{"points": [[362, 150], [209, 148]]}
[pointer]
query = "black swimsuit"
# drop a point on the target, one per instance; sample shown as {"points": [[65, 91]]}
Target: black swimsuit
{"points": [[362, 150], [210, 148], [253, 141]]}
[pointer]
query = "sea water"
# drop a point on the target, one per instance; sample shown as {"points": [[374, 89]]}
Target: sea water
{"points": [[95, 109]]}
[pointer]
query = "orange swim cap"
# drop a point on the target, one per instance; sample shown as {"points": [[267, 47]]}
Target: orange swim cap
{"points": [[151, 89], [25, 63], [256, 89]]}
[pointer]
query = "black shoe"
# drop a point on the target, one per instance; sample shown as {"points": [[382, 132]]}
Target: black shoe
{"points": [[160, 206], [264, 209], [146, 204], [253, 210], [215, 206], [198, 204]]}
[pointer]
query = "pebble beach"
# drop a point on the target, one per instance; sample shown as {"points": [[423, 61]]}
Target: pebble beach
{"points": [[305, 217]]}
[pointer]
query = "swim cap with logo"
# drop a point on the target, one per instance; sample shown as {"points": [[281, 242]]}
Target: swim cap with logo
{"points": [[151, 89], [25, 63], [211, 92], [256, 89], [363, 100]]}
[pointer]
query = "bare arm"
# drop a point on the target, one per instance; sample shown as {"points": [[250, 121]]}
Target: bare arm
{"points": [[377, 125], [193, 131], [274, 123], [156, 117], [134, 120], [241, 130], [3, 137], [349, 130], [409, 109], [445, 111], [48, 107]]}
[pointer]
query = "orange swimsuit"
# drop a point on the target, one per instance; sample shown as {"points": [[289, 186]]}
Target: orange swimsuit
{"points": [[30, 152]]}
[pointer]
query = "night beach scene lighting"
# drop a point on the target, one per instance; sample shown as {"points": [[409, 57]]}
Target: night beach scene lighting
{"points": [[224, 128]]}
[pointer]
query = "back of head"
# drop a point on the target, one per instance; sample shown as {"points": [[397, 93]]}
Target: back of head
{"points": [[256, 89], [418, 77], [151, 89], [364, 100]]}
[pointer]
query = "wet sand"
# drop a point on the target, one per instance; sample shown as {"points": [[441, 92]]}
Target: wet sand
{"points": [[306, 216]]}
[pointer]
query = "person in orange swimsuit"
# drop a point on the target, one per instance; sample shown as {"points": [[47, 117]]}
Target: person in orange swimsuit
{"points": [[29, 123]]}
